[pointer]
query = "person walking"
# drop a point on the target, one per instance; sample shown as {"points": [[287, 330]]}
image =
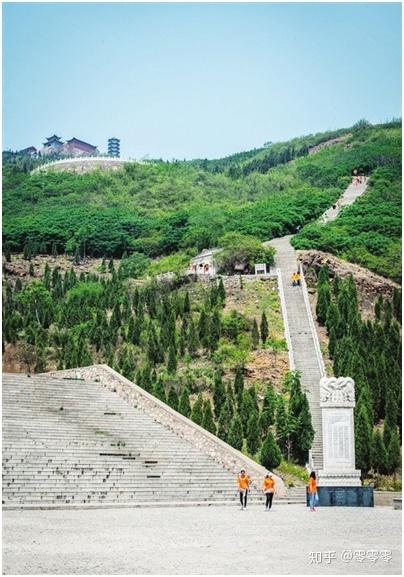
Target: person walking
{"points": [[297, 275], [294, 279], [269, 490], [312, 489], [243, 481]]}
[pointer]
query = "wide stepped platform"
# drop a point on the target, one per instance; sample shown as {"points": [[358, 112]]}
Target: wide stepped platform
{"points": [[72, 442]]}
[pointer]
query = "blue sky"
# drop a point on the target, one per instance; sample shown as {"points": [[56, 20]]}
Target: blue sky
{"points": [[196, 80]]}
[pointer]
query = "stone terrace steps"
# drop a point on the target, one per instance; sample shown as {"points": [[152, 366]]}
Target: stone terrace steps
{"points": [[302, 339], [82, 456]]}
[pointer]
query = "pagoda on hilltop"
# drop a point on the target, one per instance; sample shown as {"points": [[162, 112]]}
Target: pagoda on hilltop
{"points": [[53, 145]]}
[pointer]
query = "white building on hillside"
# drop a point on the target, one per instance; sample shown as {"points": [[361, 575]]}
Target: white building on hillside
{"points": [[204, 263]]}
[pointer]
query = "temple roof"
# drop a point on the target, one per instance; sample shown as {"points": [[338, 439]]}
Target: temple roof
{"points": [[75, 140]]}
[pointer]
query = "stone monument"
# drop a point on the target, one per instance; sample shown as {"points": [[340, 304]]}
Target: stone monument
{"points": [[337, 402]]}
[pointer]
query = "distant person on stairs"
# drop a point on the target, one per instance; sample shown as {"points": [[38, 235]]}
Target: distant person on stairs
{"points": [[269, 490], [243, 481], [294, 279], [298, 278], [312, 489]]}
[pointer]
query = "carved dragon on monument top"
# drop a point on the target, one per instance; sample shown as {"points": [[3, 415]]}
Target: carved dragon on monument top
{"points": [[337, 391]]}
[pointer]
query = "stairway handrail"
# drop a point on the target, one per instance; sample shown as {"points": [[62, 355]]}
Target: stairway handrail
{"points": [[292, 365], [316, 340]]}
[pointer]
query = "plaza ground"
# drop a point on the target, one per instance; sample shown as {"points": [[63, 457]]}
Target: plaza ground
{"points": [[201, 540]]}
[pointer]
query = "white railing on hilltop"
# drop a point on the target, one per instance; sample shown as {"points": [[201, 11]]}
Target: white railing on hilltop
{"points": [[78, 159], [313, 329]]}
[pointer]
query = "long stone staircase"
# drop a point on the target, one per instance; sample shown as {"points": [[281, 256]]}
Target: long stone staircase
{"points": [[302, 337], [304, 348], [72, 442]]}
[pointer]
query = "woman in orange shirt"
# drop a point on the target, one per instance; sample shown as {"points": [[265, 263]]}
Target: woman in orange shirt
{"points": [[269, 490], [312, 489], [243, 481]]}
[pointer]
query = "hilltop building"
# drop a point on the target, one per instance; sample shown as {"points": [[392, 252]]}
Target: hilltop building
{"points": [[53, 145], [114, 145], [76, 147], [72, 147], [30, 151]]}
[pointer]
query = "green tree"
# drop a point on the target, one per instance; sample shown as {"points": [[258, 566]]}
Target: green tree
{"points": [[267, 418], [379, 453], [172, 398], [255, 337], [172, 359], [235, 437], [393, 452], [207, 420], [270, 455], [323, 302], [197, 410], [215, 330], [184, 406], [253, 433], [159, 390], [239, 385], [219, 392], [224, 421], [363, 439], [264, 328]]}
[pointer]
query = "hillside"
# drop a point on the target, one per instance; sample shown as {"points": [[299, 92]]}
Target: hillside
{"points": [[161, 208]]}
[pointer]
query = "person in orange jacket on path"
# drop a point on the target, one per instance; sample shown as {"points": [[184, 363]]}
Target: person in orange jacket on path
{"points": [[312, 489], [243, 481], [269, 490]]}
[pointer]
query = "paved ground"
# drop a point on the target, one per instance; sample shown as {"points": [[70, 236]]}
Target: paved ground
{"points": [[205, 540]]}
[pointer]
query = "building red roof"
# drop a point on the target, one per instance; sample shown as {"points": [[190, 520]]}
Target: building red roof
{"points": [[80, 144]]}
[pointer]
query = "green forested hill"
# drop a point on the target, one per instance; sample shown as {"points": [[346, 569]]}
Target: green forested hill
{"points": [[159, 207]]}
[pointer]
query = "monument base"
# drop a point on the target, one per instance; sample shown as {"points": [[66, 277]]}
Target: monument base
{"points": [[340, 478], [345, 497]]}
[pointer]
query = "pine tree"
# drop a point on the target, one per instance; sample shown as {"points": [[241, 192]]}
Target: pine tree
{"points": [[111, 267], [363, 439], [323, 302], [187, 304], [203, 329], [193, 341], [172, 359], [246, 408], [267, 417], [253, 433], [224, 421], [184, 406], [146, 378], [215, 330], [302, 435], [54, 249], [270, 455], [172, 398], [219, 392], [379, 307], [221, 292], [397, 304], [323, 276], [159, 390], [255, 337], [239, 385], [235, 436], [379, 453], [332, 343], [207, 420], [8, 254], [393, 452], [197, 410], [264, 328]]}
